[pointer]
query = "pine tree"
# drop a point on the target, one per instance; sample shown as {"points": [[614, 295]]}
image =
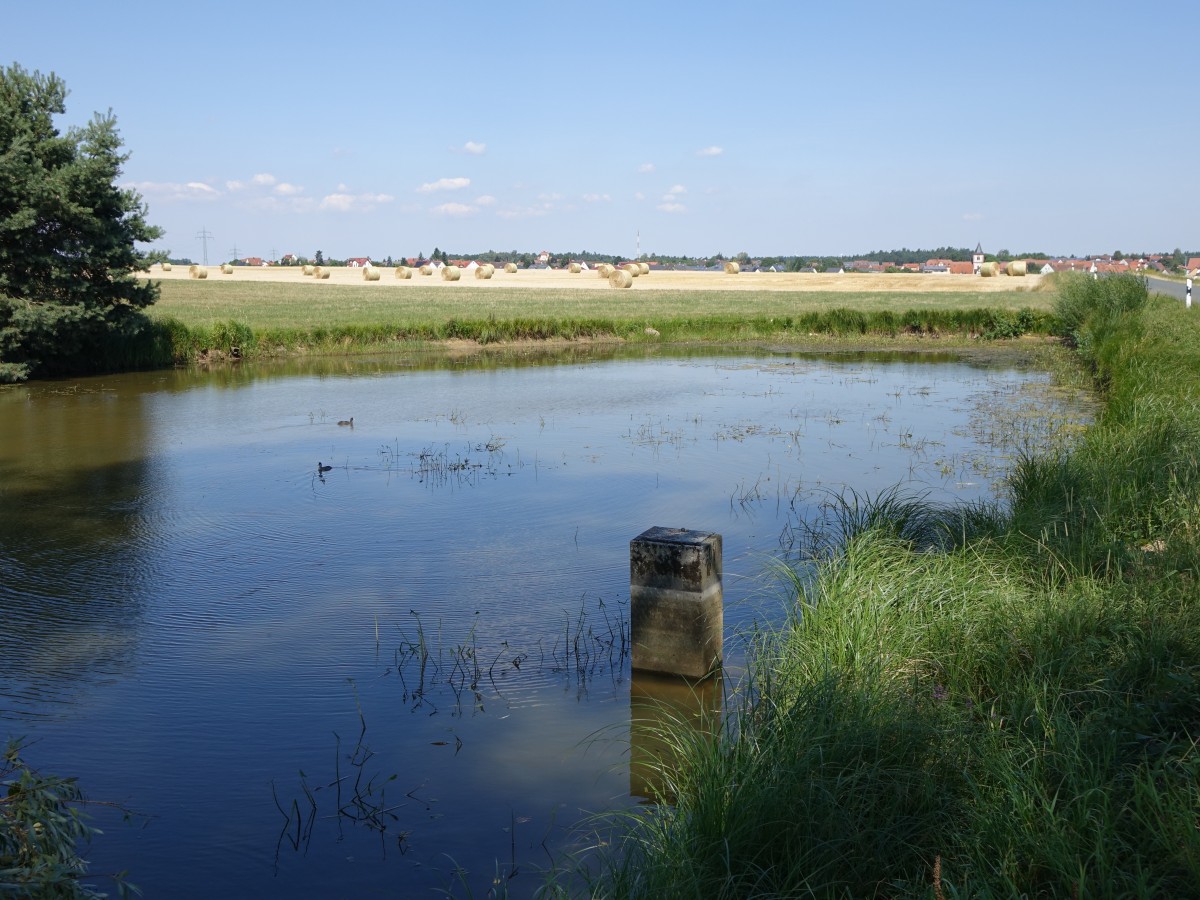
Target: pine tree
{"points": [[68, 292]]}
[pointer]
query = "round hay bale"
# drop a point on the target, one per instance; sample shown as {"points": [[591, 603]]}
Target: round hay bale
{"points": [[644, 268], [320, 273], [193, 269], [370, 273], [989, 269], [633, 269], [510, 268], [621, 278], [732, 268], [574, 268], [226, 269], [166, 267], [485, 272], [1017, 268], [200, 273], [307, 270], [451, 273], [426, 270], [403, 272], [604, 270]]}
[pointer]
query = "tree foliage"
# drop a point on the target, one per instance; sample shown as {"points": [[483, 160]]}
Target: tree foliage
{"points": [[68, 235]]}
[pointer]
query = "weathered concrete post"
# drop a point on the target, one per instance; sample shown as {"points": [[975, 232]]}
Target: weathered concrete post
{"points": [[676, 603]]}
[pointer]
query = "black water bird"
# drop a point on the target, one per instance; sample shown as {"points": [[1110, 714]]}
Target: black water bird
{"points": [[322, 468], [349, 421]]}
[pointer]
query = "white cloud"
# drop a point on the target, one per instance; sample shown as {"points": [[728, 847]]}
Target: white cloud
{"points": [[288, 190], [677, 189], [639, 196], [475, 149], [232, 186], [669, 207], [710, 151], [264, 178], [341, 202], [596, 198], [485, 200], [972, 217], [453, 209], [170, 190], [444, 184], [646, 168], [549, 198]]}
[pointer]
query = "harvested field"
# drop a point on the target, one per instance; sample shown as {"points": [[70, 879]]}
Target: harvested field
{"points": [[536, 279], [283, 298]]}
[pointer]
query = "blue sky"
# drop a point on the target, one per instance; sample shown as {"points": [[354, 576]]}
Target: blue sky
{"points": [[376, 129]]}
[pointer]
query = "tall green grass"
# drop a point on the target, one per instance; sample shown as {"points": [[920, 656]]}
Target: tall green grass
{"points": [[998, 701], [232, 337]]}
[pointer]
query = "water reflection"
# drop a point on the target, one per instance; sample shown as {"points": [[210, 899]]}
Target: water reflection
{"points": [[74, 483], [665, 713], [196, 623]]}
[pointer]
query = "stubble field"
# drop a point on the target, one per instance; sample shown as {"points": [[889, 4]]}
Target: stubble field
{"points": [[283, 297]]}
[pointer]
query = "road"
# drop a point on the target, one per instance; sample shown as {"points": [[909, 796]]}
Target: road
{"points": [[1175, 289]]}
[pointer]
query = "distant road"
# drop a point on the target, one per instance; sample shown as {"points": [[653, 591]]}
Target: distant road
{"points": [[1176, 289]]}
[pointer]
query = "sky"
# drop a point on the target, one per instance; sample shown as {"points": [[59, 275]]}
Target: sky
{"points": [[772, 128]]}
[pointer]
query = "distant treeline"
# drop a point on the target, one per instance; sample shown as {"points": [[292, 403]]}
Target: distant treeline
{"points": [[790, 263]]}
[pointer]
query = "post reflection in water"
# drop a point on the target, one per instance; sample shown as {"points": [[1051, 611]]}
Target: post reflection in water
{"points": [[666, 714]]}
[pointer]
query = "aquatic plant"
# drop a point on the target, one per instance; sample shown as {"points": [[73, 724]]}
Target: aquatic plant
{"points": [[42, 825]]}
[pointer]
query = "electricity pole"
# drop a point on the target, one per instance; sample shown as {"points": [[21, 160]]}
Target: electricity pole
{"points": [[204, 235]]}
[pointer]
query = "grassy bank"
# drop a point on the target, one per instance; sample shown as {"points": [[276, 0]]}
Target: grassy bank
{"points": [[994, 701], [199, 320]]}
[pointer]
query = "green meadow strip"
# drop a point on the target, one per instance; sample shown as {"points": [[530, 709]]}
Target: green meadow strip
{"points": [[237, 338]]}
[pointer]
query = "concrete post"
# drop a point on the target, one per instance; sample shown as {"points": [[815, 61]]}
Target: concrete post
{"points": [[676, 603]]}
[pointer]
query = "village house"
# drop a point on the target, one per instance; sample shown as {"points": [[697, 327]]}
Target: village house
{"points": [[358, 262]]}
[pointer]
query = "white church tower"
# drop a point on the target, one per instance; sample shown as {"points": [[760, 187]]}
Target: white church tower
{"points": [[977, 259]]}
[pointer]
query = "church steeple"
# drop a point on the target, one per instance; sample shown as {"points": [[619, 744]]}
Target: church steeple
{"points": [[977, 259]]}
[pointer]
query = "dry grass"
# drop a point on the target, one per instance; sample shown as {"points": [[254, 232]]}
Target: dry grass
{"points": [[755, 282]]}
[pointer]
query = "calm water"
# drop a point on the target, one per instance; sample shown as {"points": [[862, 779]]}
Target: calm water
{"points": [[201, 627]]}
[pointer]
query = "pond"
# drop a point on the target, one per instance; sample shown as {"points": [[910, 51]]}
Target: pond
{"points": [[410, 672]]}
